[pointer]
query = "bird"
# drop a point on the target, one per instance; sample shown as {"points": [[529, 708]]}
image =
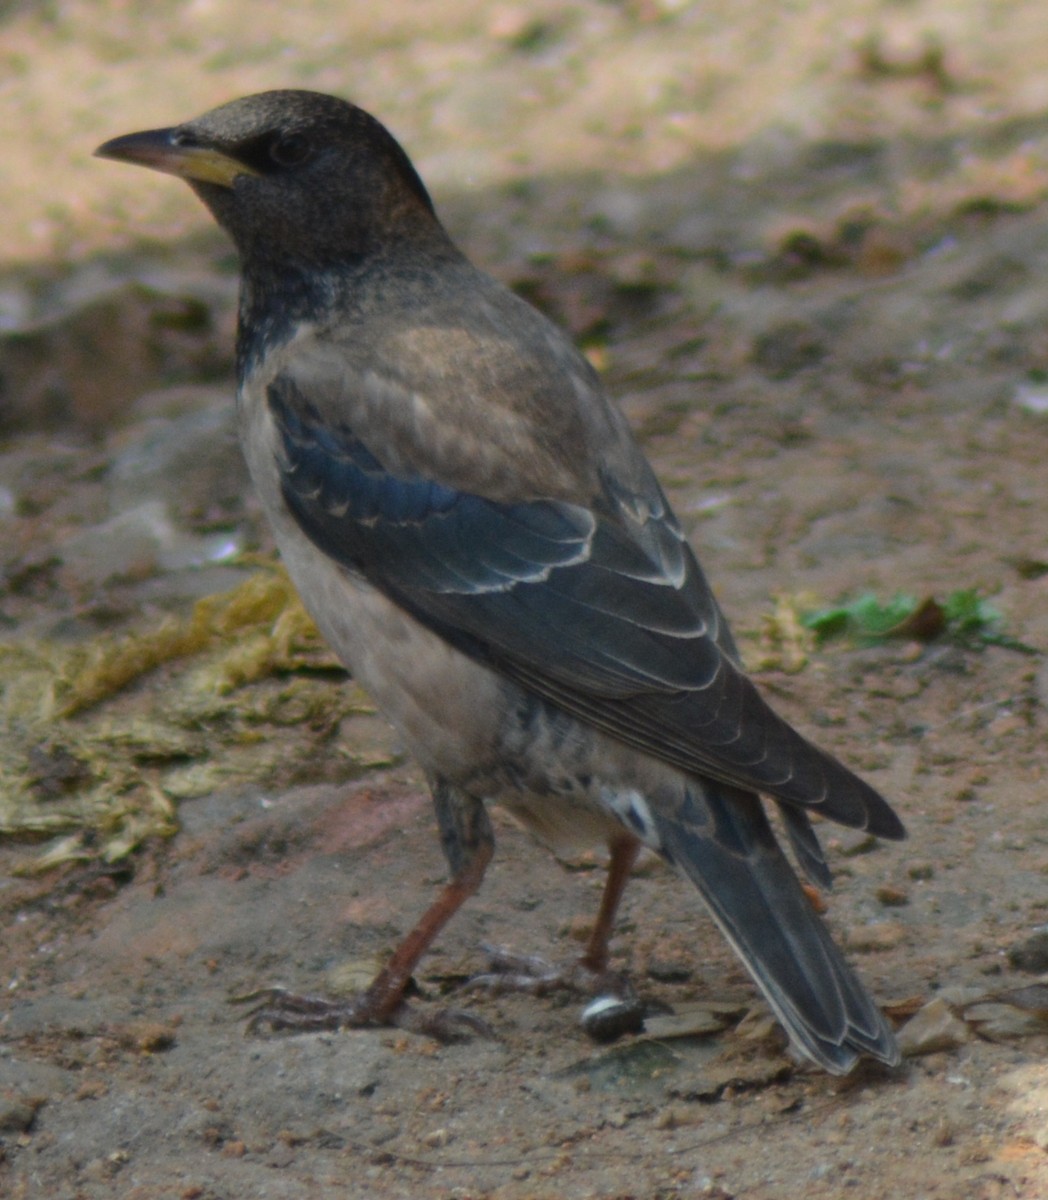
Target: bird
{"points": [[477, 534]]}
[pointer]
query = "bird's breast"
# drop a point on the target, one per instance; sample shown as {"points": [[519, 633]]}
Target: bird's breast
{"points": [[445, 706]]}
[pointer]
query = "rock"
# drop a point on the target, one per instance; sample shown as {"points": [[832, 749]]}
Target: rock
{"points": [[884, 935], [136, 544], [79, 353], [787, 348], [1004, 1022], [933, 1028], [667, 971], [1031, 954], [16, 1115], [1032, 397], [688, 1020], [191, 461], [851, 843]]}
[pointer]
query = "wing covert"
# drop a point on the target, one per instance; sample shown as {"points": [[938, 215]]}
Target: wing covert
{"points": [[604, 611]]}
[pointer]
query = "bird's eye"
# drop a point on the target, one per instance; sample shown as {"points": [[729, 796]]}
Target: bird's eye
{"points": [[290, 150]]}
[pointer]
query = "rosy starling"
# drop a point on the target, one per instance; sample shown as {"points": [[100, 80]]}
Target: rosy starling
{"points": [[478, 536]]}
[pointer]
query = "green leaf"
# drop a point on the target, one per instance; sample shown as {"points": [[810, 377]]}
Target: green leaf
{"points": [[964, 616]]}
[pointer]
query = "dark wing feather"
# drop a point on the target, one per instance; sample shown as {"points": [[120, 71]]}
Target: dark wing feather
{"points": [[604, 611]]}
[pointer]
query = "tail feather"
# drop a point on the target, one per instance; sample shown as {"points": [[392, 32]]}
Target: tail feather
{"points": [[721, 839], [805, 846]]}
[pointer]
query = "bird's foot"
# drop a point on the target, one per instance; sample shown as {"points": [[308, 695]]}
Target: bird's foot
{"points": [[616, 1009], [511, 972], [278, 1010]]}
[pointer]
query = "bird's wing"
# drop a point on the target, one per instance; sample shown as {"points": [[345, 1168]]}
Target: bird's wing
{"points": [[602, 610]]}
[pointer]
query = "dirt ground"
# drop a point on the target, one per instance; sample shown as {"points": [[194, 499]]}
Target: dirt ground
{"points": [[808, 247]]}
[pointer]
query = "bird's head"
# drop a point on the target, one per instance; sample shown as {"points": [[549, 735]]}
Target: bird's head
{"points": [[292, 175]]}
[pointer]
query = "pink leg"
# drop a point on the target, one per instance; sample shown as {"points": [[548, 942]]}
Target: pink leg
{"points": [[589, 974], [468, 841]]}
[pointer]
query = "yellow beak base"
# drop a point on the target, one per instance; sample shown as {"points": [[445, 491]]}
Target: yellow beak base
{"points": [[158, 150]]}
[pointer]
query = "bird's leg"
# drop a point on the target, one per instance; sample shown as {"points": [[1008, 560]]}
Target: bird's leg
{"points": [[624, 851], [468, 843], [588, 974]]}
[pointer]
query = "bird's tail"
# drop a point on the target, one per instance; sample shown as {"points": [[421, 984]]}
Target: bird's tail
{"points": [[721, 839]]}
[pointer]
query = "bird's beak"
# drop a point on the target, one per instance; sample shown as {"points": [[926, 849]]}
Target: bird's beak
{"points": [[162, 150]]}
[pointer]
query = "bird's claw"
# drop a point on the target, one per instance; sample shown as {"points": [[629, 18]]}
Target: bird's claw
{"points": [[443, 1024], [534, 975], [278, 1010]]}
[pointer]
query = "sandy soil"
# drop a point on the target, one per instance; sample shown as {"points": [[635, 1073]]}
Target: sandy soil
{"points": [[809, 250]]}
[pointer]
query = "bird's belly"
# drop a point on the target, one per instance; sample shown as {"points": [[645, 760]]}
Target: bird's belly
{"points": [[444, 706]]}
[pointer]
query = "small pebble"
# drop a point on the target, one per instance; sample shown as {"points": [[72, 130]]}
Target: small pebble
{"points": [[1004, 1022], [688, 1020], [147, 1037], [885, 935], [673, 1117], [669, 972], [857, 844], [944, 1133], [1032, 397], [757, 1026], [609, 1017], [1031, 954], [16, 1116]]}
